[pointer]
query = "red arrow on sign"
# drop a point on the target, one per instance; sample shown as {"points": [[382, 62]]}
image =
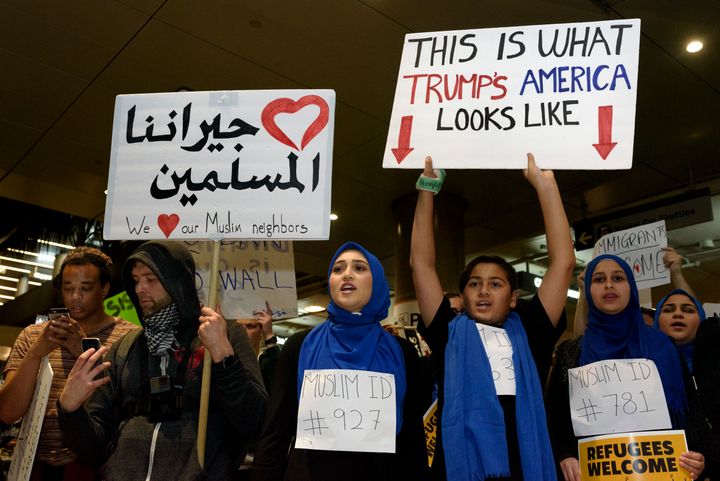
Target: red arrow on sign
{"points": [[605, 144], [403, 148]]}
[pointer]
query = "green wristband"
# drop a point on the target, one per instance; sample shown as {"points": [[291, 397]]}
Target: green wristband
{"points": [[431, 184]]}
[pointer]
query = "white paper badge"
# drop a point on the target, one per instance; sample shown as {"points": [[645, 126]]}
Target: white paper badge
{"points": [[499, 352]]}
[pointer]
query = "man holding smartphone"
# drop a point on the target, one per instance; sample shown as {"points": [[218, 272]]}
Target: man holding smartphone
{"points": [[84, 281], [140, 420]]}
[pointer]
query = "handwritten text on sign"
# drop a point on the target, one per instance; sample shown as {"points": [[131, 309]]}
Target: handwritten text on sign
{"points": [[347, 410], [499, 352], [651, 456], [221, 165], [24, 453], [617, 396], [483, 98], [641, 247], [251, 274]]}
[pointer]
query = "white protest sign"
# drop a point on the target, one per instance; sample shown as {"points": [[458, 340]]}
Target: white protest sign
{"points": [[347, 410], [24, 453], [483, 98], [251, 274], [641, 247], [711, 309], [499, 352], [617, 396], [221, 165]]}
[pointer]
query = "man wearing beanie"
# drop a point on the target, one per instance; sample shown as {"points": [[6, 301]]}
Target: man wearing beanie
{"points": [[140, 419]]}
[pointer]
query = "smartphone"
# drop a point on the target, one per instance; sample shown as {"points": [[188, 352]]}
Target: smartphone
{"points": [[56, 312], [88, 342]]}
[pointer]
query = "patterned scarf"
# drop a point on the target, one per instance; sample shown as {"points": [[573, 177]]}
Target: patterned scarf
{"points": [[160, 329]]}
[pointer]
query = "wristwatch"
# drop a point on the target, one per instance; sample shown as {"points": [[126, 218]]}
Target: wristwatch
{"points": [[227, 361], [272, 340]]}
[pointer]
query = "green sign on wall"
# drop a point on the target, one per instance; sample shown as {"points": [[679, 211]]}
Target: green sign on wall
{"points": [[120, 305]]}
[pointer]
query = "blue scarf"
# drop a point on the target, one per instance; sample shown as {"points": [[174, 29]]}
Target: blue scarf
{"points": [[356, 340], [626, 336], [473, 424], [686, 350]]}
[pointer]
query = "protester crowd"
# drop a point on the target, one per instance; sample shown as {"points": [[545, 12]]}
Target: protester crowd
{"points": [[130, 409]]}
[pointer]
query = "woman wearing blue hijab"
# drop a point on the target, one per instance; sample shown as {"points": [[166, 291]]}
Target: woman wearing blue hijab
{"points": [[351, 338], [615, 330], [682, 318]]}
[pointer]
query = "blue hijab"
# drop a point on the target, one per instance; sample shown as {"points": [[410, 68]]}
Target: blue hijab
{"points": [[473, 422], [626, 336], [356, 341], [686, 350]]}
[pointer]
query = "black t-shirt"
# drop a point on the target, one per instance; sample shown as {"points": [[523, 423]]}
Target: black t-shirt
{"points": [[541, 335]]}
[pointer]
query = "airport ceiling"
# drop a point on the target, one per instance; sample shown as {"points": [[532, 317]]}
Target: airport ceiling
{"points": [[63, 63]]}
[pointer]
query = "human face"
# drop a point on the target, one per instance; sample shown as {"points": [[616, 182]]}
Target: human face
{"points": [[487, 296], [350, 281], [609, 288], [679, 319], [152, 295], [82, 292]]}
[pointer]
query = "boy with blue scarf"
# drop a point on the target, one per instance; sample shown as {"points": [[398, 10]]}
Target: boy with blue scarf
{"points": [[483, 434]]}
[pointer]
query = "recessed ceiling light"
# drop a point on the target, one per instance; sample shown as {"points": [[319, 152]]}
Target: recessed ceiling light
{"points": [[313, 309], [333, 217], [694, 46]]}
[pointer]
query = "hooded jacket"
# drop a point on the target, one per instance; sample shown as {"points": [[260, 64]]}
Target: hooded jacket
{"points": [[112, 427]]}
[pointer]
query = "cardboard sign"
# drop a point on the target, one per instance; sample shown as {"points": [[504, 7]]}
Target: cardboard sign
{"points": [[483, 98], [121, 306], [251, 273], [499, 352], [652, 456], [347, 410], [641, 247], [617, 396], [24, 453], [221, 165]]}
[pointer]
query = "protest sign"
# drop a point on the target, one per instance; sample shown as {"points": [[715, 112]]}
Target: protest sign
{"points": [[251, 273], [24, 453], [347, 410], [499, 352], [650, 456], [641, 247], [214, 165], [430, 421], [483, 98], [615, 396], [120, 305]]}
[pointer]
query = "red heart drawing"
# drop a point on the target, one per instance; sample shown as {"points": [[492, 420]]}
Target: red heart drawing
{"points": [[637, 268], [290, 106], [167, 223]]}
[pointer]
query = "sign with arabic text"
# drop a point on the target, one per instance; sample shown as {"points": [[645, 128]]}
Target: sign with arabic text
{"points": [[221, 165], [483, 98]]}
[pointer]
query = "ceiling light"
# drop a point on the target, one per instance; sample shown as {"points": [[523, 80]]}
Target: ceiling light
{"points": [[56, 244], [3, 296], [6, 288], [29, 263], [694, 46], [333, 217], [573, 294], [11, 279], [314, 309], [42, 277]]}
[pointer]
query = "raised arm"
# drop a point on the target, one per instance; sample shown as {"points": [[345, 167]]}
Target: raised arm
{"points": [[673, 263], [428, 290], [553, 290]]}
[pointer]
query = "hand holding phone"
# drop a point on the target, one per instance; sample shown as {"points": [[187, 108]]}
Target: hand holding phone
{"points": [[92, 342]]}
